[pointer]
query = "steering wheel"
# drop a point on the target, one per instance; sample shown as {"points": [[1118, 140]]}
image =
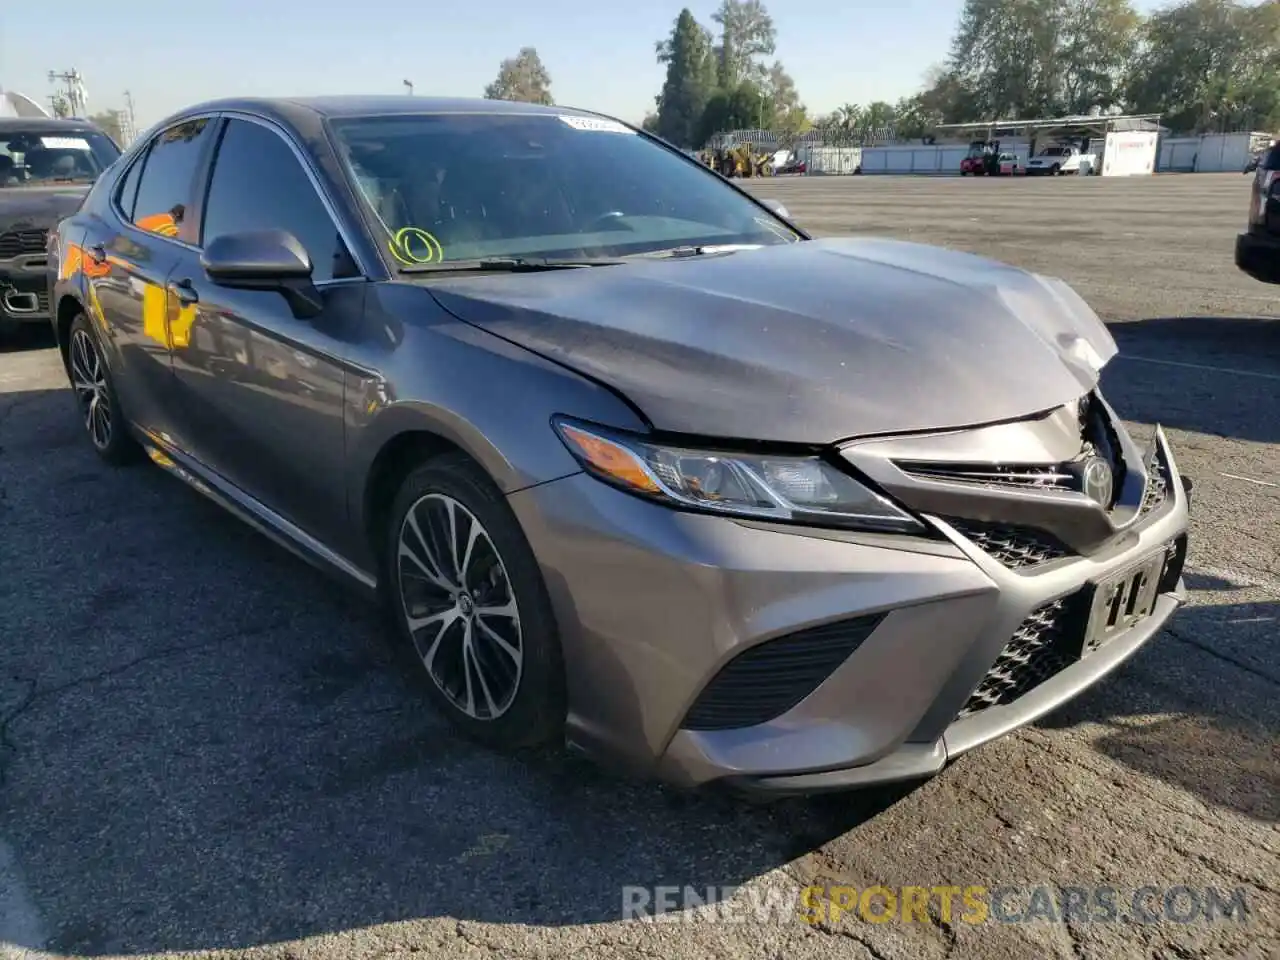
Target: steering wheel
{"points": [[607, 221]]}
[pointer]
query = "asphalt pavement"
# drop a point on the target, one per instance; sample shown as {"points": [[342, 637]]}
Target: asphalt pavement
{"points": [[205, 746]]}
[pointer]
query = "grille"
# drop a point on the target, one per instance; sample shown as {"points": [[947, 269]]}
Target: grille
{"points": [[1157, 491], [1046, 642], [1032, 476], [1015, 547], [769, 679], [17, 242]]}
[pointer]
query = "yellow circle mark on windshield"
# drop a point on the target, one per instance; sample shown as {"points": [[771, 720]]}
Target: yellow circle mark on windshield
{"points": [[412, 245]]}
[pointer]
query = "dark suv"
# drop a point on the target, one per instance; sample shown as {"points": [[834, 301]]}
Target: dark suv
{"points": [[46, 167], [1258, 249]]}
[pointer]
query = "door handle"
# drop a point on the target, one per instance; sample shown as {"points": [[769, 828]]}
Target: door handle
{"points": [[98, 253], [186, 293]]}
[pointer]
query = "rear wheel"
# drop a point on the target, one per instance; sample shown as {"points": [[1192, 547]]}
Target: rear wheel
{"points": [[95, 395], [471, 608]]}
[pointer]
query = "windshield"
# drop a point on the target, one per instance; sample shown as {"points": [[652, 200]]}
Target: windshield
{"points": [[471, 186], [1054, 152], [32, 157]]}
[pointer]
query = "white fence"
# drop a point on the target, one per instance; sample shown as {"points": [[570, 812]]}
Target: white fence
{"points": [[840, 161], [1211, 153]]}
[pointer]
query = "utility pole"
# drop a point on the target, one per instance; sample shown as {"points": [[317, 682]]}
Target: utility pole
{"points": [[129, 123], [73, 93]]}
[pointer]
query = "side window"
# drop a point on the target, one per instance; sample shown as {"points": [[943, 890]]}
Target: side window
{"points": [[164, 190], [128, 192], [259, 184]]}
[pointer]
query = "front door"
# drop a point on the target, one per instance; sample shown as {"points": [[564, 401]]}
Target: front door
{"points": [[261, 390]]}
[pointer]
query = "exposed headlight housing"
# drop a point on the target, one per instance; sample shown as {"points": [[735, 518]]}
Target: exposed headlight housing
{"points": [[784, 487]]}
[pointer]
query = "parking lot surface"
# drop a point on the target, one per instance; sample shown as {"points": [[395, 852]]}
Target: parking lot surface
{"points": [[205, 746]]}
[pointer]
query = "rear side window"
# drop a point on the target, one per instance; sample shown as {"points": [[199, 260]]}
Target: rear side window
{"points": [[164, 189], [258, 183], [129, 186]]}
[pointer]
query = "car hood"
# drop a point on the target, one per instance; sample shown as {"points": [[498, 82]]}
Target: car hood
{"points": [[39, 208], [810, 342]]}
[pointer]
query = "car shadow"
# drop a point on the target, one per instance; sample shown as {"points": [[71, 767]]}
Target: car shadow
{"points": [[1197, 708], [1227, 371], [204, 744], [27, 337]]}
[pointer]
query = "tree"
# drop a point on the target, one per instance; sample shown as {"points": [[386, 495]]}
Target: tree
{"points": [[746, 34], [110, 122], [1004, 53], [743, 107], [1096, 41], [690, 80], [1209, 65], [650, 124], [523, 78]]}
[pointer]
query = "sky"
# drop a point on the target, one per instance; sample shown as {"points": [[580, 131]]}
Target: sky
{"points": [[170, 54]]}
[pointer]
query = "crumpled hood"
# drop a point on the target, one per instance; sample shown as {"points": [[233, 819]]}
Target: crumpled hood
{"points": [[39, 208], [809, 342]]}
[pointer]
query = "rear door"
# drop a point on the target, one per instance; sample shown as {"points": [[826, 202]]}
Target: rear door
{"points": [[262, 390], [127, 256]]}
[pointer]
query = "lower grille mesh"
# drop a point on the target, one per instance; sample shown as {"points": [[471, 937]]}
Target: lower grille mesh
{"points": [[769, 679], [1014, 546], [1046, 642]]}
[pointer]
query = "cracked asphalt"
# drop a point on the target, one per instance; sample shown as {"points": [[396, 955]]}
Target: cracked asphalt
{"points": [[205, 747]]}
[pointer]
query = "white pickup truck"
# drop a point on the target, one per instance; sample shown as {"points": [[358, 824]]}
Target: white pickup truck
{"points": [[1061, 159]]}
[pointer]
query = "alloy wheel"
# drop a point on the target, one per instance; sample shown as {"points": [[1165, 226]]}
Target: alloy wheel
{"points": [[89, 380], [459, 606]]}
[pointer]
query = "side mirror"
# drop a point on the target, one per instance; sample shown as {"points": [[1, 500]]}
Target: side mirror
{"points": [[777, 208], [264, 260]]}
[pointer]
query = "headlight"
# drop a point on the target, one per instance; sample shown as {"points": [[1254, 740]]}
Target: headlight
{"points": [[763, 486]]}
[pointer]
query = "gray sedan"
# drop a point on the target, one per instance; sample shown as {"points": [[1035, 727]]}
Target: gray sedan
{"points": [[631, 462]]}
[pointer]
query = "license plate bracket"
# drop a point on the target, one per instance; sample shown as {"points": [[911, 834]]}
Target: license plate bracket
{"points": [[1123, 600]]}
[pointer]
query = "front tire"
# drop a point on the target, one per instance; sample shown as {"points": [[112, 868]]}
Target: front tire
{"points": [[471, 609], [96, 397]]}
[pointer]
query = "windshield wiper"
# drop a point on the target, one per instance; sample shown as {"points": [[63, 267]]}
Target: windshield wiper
{"points": [[676, 253], [509, 264]]}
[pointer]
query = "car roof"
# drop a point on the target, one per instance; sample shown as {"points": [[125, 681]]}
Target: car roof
{"points": [[28, 124], [356, 105]]}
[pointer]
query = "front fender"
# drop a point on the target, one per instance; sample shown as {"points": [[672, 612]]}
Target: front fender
{"points": [[488, 397]]}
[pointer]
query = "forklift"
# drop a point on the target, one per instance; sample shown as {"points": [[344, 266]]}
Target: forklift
{"points": [[983, 159]]}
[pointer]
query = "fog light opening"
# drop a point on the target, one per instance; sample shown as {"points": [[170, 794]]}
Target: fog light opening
{"points": [[16, 301]]}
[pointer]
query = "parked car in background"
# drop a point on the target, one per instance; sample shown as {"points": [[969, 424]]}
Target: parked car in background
{"points": [[1009, 164], [46, 167], [630, 460], [1258, 248], [1060, 160]]}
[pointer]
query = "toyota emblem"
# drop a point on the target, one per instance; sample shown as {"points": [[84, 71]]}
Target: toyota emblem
{"points": [[1096, 480]]}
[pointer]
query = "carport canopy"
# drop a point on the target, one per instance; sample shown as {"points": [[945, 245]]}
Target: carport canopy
{"points": [[1062, 127]]}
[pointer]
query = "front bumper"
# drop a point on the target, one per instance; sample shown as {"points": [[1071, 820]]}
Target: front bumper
{"points": [[24, 288], [653, 604], [1258, 255]]}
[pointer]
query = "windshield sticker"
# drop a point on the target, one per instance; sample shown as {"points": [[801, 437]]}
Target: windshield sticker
{"points": [[413, 245], [597, 125], [64, 143]]}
